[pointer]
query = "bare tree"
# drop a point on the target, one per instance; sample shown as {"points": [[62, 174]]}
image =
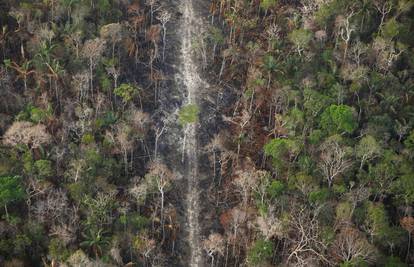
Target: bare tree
{"points": [[334, 160], [387, 53], [164, 17], [215, 146], [74, 40], [161, 177], [384, 7], [126, 141], [351, 245], [245, 182], [345, 29], [80, 83], [138, 190], [305, 240], [158, 133], [112, 32], [214, 245], [154, 6], [269, 226], [27, 133], [92, 50]]}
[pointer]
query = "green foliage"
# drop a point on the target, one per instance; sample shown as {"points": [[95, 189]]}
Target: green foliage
{"points": [[88, 139], [28, 162], [44, 168], [278, 148], [188, 114], [314, 102], [216, 35], [338, 119], [344, 212], [275, 189], [266, 4], [95, 240], [269, 62], [20, 243], [354, 263], [391, 28], [315, 137], [295, 120], [260, 252], [105, 82], [138, 222], [57, 250], [104, 5], [409, 141], [403, 187], [319, 196], [300, 38], [127, 92], [34, 114], [393, 261], [11, 189], [377, 220]]}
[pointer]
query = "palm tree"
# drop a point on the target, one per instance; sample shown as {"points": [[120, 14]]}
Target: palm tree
{"points": [[95, 240]]}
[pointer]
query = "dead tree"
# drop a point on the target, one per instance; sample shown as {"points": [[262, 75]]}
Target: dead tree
{"points": [[164, 17]]}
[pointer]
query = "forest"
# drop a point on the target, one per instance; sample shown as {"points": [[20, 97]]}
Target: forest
{"points": [[206, 133]]}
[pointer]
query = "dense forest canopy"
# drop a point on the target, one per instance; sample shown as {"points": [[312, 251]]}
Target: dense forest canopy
{"points": [[305, 133]]}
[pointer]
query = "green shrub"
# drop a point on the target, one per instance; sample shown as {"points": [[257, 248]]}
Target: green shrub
{"points": [[44, 168], [188, 114], [260, 252], [338, 119], [319, 196], [275, 189]]}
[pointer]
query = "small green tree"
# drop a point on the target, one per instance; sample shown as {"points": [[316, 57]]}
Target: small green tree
{"points": [[44, 168], [260, 252], [11, 190], [281, 150], [127, 92], [95, 240], [188, 114], [367, 149], [338, 119], [300, 38], [266, 4]]}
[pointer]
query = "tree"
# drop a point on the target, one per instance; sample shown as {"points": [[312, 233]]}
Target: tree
{"points": [[95, 240], [367, 149], [187, 116], [376, 222], [160, 177], [282, 150], [334, 160], [350, 246], [269, 226], [245, 182], [214, 245], [261, 251], [112, 32], [11, 190], [93, 50], [164, 17], [266, 4], [338, 119], [300, 38], [23, 70], [408, 224], [305, 238], [27, 133], [127, 92], [345, 30], [125, 138]]}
